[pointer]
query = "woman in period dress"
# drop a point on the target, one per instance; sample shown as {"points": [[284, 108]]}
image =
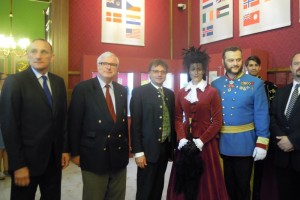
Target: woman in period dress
{"points": [[198, 108]]}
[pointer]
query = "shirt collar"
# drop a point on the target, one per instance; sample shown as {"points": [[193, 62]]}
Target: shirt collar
{"points": [[103, 84], [38, 74]]}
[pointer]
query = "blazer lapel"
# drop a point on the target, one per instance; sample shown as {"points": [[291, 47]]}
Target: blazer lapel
{"points": [[36, 86], [99, 98], [119, 99]]}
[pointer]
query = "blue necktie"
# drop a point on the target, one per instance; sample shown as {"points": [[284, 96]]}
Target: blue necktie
{"points": [[46, 90]]}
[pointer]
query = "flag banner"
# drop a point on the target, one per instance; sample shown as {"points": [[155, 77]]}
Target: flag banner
{"points": [[123, 22], [262, 15], [216, 20]]}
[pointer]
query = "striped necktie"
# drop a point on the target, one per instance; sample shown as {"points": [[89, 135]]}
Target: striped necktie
{"points": [[292, 101]]}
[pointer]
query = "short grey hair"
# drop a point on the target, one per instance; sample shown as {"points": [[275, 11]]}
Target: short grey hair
{"points": [[106, 55]]}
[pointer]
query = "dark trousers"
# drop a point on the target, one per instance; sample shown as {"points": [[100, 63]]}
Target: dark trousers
{"points": [[150, 181], [237, 173], [288, 183], [257, 179], [49, 183]]}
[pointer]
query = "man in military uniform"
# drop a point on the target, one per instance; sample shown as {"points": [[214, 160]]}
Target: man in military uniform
{"points": [[253, 66], [245, 130]]}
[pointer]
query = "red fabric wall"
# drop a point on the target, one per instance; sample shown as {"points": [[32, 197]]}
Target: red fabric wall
{"points": [[85, 37], [281, 43]]}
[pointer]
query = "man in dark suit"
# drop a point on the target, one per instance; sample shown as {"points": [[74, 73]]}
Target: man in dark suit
{"points": [[33, 124], [152, 131], [98, 132], [285, 130]]}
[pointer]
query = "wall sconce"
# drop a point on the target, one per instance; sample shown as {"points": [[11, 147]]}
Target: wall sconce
{"points": [[181, 6]]}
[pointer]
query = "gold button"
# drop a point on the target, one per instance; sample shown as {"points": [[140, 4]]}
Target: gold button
{"points": [[100, 121], [120, 135], [104, 149], [123, 120], [119, 148], [159, 139], [160, 117], [159, 128], [108, 136]]}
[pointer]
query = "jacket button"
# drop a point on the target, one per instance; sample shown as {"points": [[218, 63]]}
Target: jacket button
{"points": [[99, 121], [159, 139], [159, 128], [104, 149], [160, 117], [108, 136], [123, 120], [119, 148], [120, 135]]}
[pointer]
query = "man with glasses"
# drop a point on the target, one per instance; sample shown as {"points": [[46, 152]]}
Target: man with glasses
{"points": [[152, 131], [99, 132]]}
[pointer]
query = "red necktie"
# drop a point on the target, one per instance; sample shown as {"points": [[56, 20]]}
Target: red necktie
{"points": [[110, 104]]}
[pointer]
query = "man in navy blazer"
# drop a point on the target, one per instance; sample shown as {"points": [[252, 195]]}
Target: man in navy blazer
{"points": [[151, 144], [98, 140], [285, 130], [33, 128]]}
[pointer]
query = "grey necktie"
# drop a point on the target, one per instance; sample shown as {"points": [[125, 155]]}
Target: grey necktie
{"points": [[292, 101]]}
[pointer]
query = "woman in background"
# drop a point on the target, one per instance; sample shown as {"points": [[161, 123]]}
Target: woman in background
{"points": [[3, 154], [198, 112]]}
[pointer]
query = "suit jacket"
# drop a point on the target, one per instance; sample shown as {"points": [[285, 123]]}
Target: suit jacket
{"points": [[32, 130], [146, 120], [280, 126], [101, 144]]}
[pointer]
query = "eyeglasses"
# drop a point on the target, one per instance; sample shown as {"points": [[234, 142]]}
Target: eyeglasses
{"points": [[158, 71], [106, 64]]}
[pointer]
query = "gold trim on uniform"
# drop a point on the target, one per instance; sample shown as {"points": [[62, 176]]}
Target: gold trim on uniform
{"points": [[237, 129]]}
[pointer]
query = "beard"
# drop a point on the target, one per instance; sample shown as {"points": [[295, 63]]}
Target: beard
{"points": [[233, 70]]}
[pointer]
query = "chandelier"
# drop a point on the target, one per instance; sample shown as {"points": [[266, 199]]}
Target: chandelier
{"points": [[8, 45]]}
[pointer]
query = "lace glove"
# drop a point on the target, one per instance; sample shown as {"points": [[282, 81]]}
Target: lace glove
{"points": [[182, 142], [259, 153], [198, 143]]}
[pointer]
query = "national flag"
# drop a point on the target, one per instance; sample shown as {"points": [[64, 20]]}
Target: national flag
{"points": [[131, 7], [133, 19], [204, 1], [223, 11], [114, 3], [205, 6], [133, 33], [219, 1], [207, 31], [113, 17], [250, 3], [208, 16], [251, 18]]}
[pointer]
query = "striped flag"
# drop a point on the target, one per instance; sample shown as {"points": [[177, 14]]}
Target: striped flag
{"points": [[223, 11], [208, 16], [131, 7], [207, 5], [133, 33]]}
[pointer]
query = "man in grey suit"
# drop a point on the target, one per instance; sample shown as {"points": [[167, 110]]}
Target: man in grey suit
{"points": [[98, 129], [285, 130], [33, 122], [152, 131]]}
